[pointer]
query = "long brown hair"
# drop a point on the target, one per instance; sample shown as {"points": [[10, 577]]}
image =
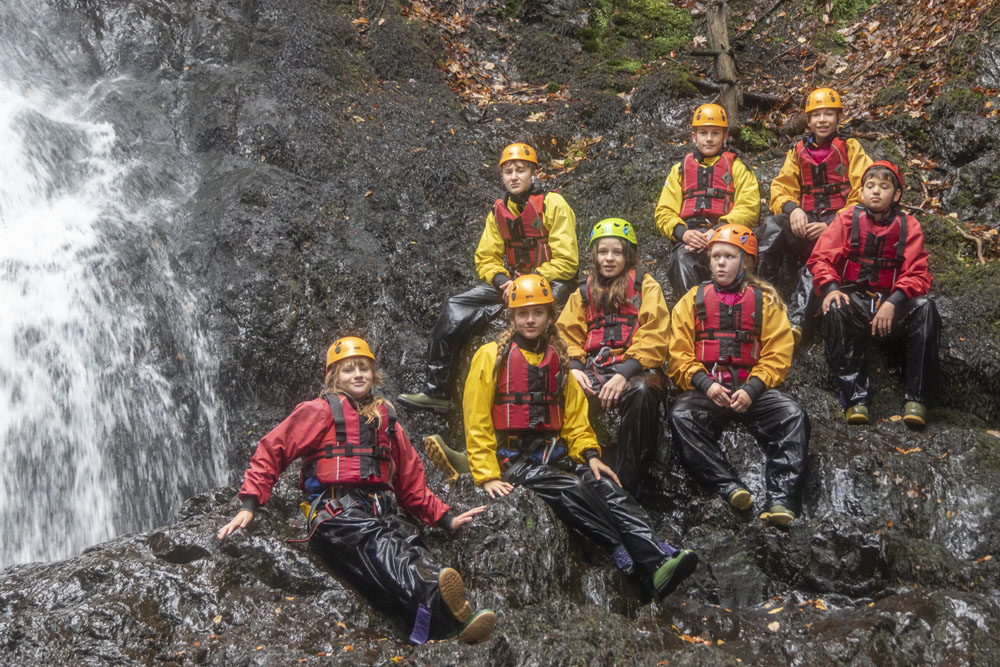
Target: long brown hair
{"points": [[370, 409], [549, 337], [610, 294]]}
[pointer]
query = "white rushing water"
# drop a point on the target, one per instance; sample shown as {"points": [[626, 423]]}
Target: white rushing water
{"points": [[108, 416]]}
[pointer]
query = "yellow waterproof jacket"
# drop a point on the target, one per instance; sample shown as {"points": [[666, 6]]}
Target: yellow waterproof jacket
{"points": [[560, 221], [649, 343], [777, 345], [787, 185], [746, 198], [477, 408]]}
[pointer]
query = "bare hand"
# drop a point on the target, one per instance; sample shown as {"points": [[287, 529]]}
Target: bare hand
{"points": [[719, 395], [696, 240], [497, 488], [242, 518], [612, 390], [814, 230], [882, 322], [583, 380], [597, 467], [505, 288], [798, 221], [466, 517], [741, 401], [834, 299]]}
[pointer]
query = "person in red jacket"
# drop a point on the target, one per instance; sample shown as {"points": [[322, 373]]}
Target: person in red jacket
{"points": [[355, 457], [871, 267]]}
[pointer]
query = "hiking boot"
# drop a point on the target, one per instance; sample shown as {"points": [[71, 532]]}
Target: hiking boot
{"points": [[856, 414], [478, 628], [422, 401], [434, 446], [915, 413], [453, 594], [778, 515], [740, 499], [797, 334], [674, 571]]}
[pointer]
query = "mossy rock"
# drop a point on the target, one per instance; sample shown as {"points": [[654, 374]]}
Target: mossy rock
{"points": [[955, 102], [757, 138]]}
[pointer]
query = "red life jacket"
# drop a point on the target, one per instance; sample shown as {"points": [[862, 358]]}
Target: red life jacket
{"points": [[727, 335], [826, 184], [525, 238], [875, 259], [353, 452], [707, 191], [612, 330], [528, 397]]}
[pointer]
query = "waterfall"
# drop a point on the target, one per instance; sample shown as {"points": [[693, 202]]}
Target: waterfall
{"points": [[108, 415]]}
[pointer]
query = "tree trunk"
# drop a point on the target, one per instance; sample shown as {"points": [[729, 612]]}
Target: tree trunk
{"points": [[725, 66]]}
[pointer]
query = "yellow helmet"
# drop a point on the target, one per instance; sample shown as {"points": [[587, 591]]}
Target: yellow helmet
{"points": [[530, 289], [348, 346], [740, 236], [519, 152], [615, 227], [823, 98], [710, 114]]}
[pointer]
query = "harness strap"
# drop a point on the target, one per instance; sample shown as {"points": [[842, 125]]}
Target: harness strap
{"points": [[527, 397], [338, 417]]}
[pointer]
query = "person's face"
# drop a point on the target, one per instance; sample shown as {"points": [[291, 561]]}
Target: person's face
{"points": [[611, 256], [709, 139], [724, 262], [516, 175], [879, 192], [822, 123], [531, 321], [355, 377]]}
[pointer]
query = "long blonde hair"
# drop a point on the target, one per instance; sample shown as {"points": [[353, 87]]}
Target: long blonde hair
{"points": [[368, 410], [615, 290], [549, 337], [767, 289]]}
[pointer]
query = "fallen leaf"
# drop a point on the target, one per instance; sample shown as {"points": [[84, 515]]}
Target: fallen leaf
{"points": [[802, 40], [217, 619], [775, 610], [984, 559], [773, 626]]}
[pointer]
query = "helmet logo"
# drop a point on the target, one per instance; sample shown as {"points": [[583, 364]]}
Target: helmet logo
{"points": [[626, 230], [545, 292], [337, 349], [743, 238]]}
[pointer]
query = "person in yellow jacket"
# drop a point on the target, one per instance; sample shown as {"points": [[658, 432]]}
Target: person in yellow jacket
{"points": [[526, 425], [710, 186], [616, 327], [820, 177], [730, 348], [527, 231]]}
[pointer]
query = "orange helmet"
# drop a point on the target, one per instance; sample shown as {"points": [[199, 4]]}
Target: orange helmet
{"points": [[888, 165], [530, 289], [740, 236], [823, 98], [519, 152], [349, 346], [710, 114]]}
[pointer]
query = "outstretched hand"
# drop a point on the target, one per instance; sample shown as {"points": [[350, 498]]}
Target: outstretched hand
{"points": [[241, 520], [466, 517], [599, 467], [497, 488]]}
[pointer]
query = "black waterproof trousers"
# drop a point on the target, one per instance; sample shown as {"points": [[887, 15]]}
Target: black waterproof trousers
{"points": [[384, 558], [775, 419], [916, 323], [599, 509], [638, 423], [776, 245], [463, 316]]}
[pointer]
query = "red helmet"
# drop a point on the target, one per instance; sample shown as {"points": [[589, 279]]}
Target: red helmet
{"points": [[888, 165]]}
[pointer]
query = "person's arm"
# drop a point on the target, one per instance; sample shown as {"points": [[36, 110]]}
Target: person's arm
{"points": [[683, 367], [827, 256], [746, 198], [668, 208], [914, 277], [572, 327], [576, 430], [560, 220], [490, 253], [786, 188], [409, 483], [650, 343], [858, 162], [477, 410], [776, 347]]}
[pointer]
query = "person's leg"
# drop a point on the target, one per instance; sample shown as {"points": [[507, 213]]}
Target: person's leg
{"points": [[696, 424], [638, 427], [845, 328], [685, 269], [920, 325], [782, 429], [562, 289], [449, 461], [772, 246]]}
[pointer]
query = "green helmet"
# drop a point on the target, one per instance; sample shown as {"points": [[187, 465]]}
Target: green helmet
{"points": [[616, 227]]}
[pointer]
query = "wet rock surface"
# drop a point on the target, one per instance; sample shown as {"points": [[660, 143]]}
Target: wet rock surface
{"points": [[341, 188]]}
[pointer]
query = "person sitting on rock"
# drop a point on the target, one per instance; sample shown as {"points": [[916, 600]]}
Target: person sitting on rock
{"points": [[528, 231], [710, 186], [616, 327], [730, 347], [526, 424], [872, 269], [356, 458], [821, 176]]}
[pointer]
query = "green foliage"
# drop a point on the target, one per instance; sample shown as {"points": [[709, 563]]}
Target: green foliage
{"points": [[553, 88], [756, 138], [954, 102], [843, 10], [889, 95], [625, 65], [829, 40], [654, 26]]}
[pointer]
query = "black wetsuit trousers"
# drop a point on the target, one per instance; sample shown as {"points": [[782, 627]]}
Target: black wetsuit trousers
{"points": [[916, 322], [775, 420], [462, 317], [777, 244]]}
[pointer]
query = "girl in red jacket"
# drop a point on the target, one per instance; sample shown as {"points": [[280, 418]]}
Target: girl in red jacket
{"points": [[355, 459]]}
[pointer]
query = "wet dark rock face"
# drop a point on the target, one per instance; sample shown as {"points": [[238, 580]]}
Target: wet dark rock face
{"points": [[341, 190]]}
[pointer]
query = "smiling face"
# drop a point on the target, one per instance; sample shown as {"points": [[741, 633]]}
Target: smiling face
{"points": [[516, 175], [355, 377], [822, 123], [724, 262], [879, 192], [610, 255], [709, 139], [531, 321]]}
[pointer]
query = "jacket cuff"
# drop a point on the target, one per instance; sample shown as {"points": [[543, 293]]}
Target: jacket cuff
{"points": [[249, 503], [829, 287], [499, 279], [629, 368], [576, 365], [754, 387], [702, 381], [679, 230], [788, 207], [446, 520], [897, 298], [590, 454]]}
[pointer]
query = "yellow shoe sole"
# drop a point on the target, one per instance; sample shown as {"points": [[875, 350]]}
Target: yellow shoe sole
{"points": [[453, 594], [432, 446], [479, 629]]}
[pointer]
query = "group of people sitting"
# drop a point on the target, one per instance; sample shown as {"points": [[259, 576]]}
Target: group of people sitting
{"points": [[574, 348]]}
